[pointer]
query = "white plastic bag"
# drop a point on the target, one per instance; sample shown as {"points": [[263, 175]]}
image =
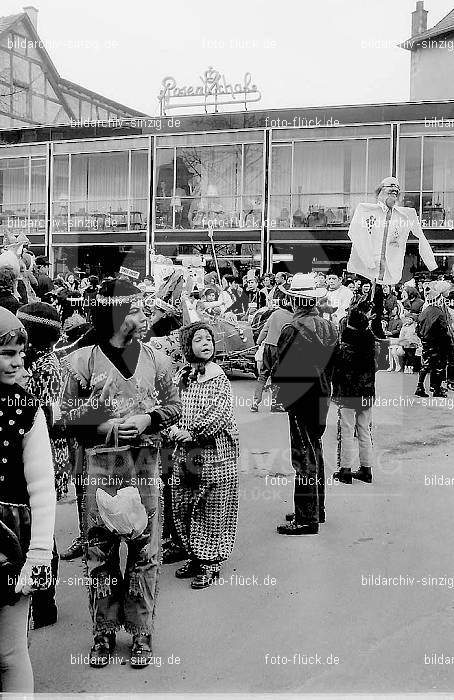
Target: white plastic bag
{"points": [[123, 513]]}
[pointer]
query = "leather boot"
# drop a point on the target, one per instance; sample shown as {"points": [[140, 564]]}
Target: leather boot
{"points": [[344, 475], [363, 474]]}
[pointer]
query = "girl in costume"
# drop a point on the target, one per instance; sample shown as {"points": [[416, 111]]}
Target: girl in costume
{"points": [[43, 326], [205, 483], [27, 507]]}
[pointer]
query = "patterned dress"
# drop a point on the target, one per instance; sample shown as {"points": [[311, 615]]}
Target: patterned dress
{"points": [[46, 384], [205, 511]]}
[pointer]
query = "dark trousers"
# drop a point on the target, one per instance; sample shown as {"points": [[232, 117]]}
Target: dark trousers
{"points": [[307, 461], [433, 363], [43, 602], [410, 357]]}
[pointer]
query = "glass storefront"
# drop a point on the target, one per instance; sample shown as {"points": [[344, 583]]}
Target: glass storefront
{"points": [[100, 192], [23, 194], [232, 258], [99, 260], [217, 185], [308, 256], [426, 171], [114, 197], [319, 183]]}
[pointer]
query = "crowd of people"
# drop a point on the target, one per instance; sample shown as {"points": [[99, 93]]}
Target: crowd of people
{"points": [[84, 399]]}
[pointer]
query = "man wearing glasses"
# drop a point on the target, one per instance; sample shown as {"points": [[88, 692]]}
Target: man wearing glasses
{"points": [[379, 234]]}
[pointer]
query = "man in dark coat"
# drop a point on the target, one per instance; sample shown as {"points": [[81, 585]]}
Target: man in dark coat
{"points": [[302, 374], [44, 282], [433, 329]]}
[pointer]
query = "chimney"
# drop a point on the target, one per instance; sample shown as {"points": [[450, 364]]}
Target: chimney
{"points": [[32, 13], [419, 19]]}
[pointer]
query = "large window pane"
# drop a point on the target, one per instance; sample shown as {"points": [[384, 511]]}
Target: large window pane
{"points": [[337, 166], [99, 192], [321, 210], [38, 193], [379, 163], [99, 178], [438, 181], [60, 193], [281, 169], [23, 194], [410, 164], [329, 179], [279, 213], [14, 185], [253, 169], [208, 186], [139, 189], [210, 170]]}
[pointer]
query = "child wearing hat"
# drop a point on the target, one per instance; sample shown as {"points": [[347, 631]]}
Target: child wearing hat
{"points": [[205, 481], [354, 392], [27, 507]]}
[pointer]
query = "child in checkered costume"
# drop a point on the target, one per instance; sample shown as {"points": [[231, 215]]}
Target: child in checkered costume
{"points": [[205, 481]]}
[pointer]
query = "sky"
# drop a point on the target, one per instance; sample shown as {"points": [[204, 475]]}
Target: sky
{"points": [[300, 53]]}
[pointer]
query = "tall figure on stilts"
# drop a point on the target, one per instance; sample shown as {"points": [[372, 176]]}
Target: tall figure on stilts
{"points": [[379, 234]]}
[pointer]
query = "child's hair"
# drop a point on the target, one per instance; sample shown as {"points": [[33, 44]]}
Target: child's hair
{"points": [[210, 290], [19, 338], [7, 279]]}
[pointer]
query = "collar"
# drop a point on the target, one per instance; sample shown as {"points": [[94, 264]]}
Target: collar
{"points": [[303, 311], [403, 211], [212, 370]]}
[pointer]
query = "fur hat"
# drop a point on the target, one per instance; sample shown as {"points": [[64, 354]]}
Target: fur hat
{"points": [[42, 323], [186, 335]]}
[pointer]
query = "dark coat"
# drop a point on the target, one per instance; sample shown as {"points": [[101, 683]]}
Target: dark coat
{"points": [[354, 369], [394, 327], [390, 302], [44, 286], [433, 330], [304, 367], [22, 291], [414, 303], [9, 301], [241, 303]]}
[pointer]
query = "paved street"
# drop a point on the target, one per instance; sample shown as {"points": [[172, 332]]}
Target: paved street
{"points": [[287, 599]]}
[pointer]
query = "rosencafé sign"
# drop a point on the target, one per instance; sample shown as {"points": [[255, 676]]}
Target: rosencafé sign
{"points": [[213, 91]]}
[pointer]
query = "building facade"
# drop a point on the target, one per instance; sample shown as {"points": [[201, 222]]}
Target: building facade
{"points": [[31, 89], [432, 56], [277, 189]]}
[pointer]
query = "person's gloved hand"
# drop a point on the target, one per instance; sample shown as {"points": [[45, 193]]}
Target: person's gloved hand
{"points": [[35, 575]]}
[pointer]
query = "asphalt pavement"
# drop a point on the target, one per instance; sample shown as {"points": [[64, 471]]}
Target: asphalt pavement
{"points": [[365, 605]]}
